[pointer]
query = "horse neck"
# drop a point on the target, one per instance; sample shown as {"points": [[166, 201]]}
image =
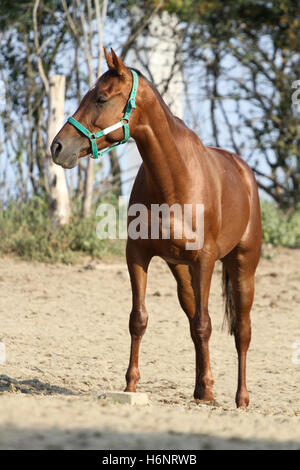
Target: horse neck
{"points": [[166, 167]]}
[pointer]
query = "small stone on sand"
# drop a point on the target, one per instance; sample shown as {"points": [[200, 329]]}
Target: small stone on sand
{"points": [[128, 398]]}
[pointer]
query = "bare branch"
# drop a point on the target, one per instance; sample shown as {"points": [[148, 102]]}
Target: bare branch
{"points": [[37, 47], [141, 25], [86, 46], [71, 24], [100, 24]]}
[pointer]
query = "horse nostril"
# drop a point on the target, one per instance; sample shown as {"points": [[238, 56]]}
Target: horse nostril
{"points": [[56, 148]]}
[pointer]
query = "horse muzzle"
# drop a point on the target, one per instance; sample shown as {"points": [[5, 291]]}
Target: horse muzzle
{"points": [[63, 155]]}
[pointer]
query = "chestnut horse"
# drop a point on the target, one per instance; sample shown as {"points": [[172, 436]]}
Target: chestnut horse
{"points": [[177, 169]]}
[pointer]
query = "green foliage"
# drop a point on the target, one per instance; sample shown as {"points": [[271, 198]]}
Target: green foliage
{"points": [[280, 229], [27, 231], [263, 39]]}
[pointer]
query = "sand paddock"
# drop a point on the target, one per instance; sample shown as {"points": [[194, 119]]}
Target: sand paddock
{"points": [[65, 329]]}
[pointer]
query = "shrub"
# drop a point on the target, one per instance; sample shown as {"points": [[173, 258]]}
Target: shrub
{"points": [[280, 229], [27, 230]]}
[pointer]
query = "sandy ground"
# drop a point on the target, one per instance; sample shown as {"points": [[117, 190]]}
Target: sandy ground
{"points": [[66, 334]]}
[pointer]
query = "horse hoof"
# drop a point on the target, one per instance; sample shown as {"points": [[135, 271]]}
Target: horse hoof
{"points": [[242, 401], [130, 388], [242, 404], [204, 396]]}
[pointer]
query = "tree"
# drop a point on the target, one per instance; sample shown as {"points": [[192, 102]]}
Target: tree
{"points": [[63, 28], [261, 44], [244, 54], [80, 17], [24, 121], [55, 90]]}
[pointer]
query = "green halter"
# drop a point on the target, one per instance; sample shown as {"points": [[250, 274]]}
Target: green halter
{"points": [[123, 123]]}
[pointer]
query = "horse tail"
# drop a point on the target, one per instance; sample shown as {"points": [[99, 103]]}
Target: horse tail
{"points": [[230, 311]]}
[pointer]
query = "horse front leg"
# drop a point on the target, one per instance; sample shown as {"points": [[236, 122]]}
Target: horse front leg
{"points": [[137, 264], [200, 326]]}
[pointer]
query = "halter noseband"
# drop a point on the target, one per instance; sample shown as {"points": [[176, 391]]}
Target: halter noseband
{"points": [[123, 123]]}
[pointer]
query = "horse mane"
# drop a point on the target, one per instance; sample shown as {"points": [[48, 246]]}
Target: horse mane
{"points": [[156, 92]]}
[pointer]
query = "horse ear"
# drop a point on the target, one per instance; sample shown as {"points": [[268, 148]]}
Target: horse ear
{"points": [[118, 64], [109, 60]]}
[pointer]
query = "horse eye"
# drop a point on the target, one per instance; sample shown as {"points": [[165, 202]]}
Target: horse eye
{"points": [[101, 99]]}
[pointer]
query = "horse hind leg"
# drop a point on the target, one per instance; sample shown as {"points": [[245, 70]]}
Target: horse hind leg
{"points": [[238, 280]]}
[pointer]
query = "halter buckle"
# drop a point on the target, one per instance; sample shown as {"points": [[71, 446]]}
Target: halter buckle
{"points": [[132, 103]]}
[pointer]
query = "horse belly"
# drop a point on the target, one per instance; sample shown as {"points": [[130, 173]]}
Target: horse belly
{"points": [[234, 223]]}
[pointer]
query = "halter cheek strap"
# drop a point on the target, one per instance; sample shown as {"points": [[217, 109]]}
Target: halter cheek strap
{"points": [[123, 123]]}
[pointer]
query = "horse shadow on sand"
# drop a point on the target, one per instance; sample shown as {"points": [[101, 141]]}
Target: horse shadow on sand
{"points": [[31, 387]]}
